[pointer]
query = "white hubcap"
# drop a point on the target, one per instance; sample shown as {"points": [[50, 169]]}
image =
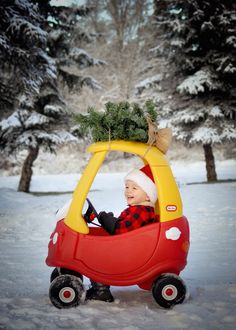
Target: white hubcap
{"points": [[67, 295], [169, 292]]}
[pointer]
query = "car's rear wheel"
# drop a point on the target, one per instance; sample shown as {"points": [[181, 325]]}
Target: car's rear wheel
{"points": [[66, 291], [169, 290]]}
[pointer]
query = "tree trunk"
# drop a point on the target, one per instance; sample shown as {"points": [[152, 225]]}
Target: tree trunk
{"points": [[210, 163], [27, 171]]}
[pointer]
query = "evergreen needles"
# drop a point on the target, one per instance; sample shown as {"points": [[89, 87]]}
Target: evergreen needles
{"points": [[119, 121]]}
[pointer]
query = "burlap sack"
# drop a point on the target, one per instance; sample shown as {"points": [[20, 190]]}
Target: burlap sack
{"points": [[161, 138]]}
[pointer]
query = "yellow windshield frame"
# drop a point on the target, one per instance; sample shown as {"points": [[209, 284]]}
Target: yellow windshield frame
{"points": [[169, 205]]}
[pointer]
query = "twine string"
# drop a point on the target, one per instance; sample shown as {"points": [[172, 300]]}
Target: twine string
{"points": [[109, 143], [109, 139], [147, 149]]}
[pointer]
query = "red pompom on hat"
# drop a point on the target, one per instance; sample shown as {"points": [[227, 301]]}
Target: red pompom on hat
{"points": [[144, 180]]}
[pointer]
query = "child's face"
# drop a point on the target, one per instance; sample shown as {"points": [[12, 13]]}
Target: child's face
{"points": [[134, 194]]}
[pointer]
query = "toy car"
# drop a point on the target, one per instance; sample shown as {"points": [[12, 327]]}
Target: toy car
{"points": [[151, 257]]}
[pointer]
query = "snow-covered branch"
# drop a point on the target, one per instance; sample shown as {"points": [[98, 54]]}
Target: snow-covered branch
{"points": [[47, 140], [148, 82], [83, 58], [53, 110], [11, 122], [201, 81], [30, 33], [205, 125]]}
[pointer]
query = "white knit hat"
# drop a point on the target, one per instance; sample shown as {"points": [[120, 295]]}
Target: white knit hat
{"points": [[144, 180]]}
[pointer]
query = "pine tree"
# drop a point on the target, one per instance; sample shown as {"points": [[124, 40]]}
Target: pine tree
{"points": [[37, 116], [201, 43], [37, 49], [34, 129], [24, 63], [65, 36]]}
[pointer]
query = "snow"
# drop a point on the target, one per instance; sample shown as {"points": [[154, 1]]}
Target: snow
{"points": [[148, 82], [203, 133], [211, 125], [198, 82], [207, 26], [52, 110], [216, 112], [35, 118], [231, 41], [30, 31], [11, 122], [30, 138], [177, 43], [30, 119], [175, 11], [230, 68], [28, 220], [190, 115], [4, 42], [50, 65], [83, 58]]}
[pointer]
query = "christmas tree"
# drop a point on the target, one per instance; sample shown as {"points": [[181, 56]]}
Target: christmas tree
{"points": [[118, 121]]}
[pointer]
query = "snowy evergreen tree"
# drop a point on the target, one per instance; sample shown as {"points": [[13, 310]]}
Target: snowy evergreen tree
{"points": [[24, 63], [201, 42], [65, 37], [28, 87], [32, 129], [36, 43]]}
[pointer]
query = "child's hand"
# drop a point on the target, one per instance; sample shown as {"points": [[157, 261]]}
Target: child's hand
{"points": [[105, 214], [108, 221]]}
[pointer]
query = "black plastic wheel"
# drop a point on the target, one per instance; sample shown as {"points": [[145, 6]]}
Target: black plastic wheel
{"points": [[66, 291], [63, 271], [169, 290]]}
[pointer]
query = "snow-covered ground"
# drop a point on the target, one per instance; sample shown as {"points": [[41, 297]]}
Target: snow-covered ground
{"points": [[27, 221]]}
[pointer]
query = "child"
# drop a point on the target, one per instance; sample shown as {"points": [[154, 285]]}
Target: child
{"points": [[141, 196]]}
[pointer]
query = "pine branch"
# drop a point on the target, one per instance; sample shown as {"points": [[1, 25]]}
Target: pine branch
{"points": [[121, 121]]}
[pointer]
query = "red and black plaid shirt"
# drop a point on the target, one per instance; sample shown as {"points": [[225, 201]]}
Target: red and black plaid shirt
{"points": [[135, 217]]}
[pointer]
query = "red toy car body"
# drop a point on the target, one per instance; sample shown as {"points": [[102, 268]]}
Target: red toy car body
{"points": [[151, 257], [137, 257]]}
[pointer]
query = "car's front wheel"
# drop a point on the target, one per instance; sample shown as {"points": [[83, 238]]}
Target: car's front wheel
{"points": [[67, 291]]}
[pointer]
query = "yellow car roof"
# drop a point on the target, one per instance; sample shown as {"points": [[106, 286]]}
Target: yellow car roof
{"points": [[153, 155]]}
